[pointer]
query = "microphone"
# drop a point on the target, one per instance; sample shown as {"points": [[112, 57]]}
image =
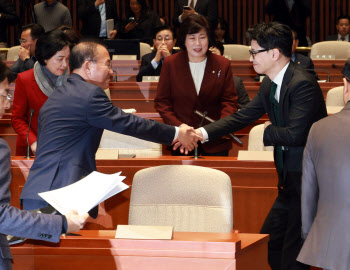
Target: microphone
{"points": [[205, 113], [336, 66], [212, 121], [322, 70], [30, 121]]}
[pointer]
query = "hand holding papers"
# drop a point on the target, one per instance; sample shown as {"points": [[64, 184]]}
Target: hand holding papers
{"points": [[85, 194]]}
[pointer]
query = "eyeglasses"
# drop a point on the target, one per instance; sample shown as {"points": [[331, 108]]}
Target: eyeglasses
{"points": [[108, 64], [253, 53], [7, 97], [166, 39], [22, 41]]}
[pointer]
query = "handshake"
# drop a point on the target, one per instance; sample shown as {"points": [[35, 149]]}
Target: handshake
{"points": [[187, 138]]}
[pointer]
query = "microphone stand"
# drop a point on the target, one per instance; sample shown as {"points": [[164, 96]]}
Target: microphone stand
{"points": [[28, 148], [196, 148]]}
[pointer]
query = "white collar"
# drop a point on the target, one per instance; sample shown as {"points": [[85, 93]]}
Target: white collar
{"points": [[279, 78]]}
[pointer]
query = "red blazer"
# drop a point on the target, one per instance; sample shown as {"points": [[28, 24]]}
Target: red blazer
{"points": [[27, 96], [177, 99]]}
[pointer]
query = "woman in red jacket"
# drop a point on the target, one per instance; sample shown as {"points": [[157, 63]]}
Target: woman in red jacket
{"points": [[34, 86]]}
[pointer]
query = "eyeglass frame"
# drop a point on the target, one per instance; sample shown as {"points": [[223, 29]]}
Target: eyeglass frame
{"points": [[8, 96], [95, 61], [166, 38], [22, 40], [253, 53]]}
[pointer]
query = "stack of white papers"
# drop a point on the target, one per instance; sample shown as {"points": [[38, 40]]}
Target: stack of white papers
{"points": [[85, 194]]}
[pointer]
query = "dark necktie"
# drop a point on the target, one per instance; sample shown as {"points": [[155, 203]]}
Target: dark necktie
{"points": [[342, 38], [192, 4], [275, 109]]}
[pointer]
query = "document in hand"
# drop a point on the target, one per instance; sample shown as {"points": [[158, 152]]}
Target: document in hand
{"points": [[85, 194]]}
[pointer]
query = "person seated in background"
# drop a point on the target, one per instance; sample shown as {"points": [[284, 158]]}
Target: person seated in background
{"points": [[26, 55], [94, 15], [302, 60], [13, 221], [222, 32], [343, 29], [140, 23], [51, 14], [34, 86], [243, 97], [163, 43], [196, 79]]}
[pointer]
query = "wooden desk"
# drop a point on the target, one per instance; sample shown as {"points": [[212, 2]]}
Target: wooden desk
{"points": [[254, 187], [100, 250]]}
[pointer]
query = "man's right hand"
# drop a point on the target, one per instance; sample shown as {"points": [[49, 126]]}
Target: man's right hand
{"points": [[23, 53], [75, 221], [187, 138]]}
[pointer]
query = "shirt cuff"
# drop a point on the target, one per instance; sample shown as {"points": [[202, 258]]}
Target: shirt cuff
{"points": [[154, 64], [176, 133], [205, 135], [180, 21]]}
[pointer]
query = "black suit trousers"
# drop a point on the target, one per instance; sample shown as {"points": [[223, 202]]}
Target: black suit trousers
{"points": [[283, 224]]}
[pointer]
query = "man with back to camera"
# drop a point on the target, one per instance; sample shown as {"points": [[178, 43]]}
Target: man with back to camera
{"points": [[26, 55], [343, 29], [23, 223], [72, 120], [293, 101], [163, 43], [325, 189]]}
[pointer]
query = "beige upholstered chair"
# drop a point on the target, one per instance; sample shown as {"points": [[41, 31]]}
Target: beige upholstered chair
{"points": [[190, 198], [335, 100], [255, 140], [338, 49], [12, 54], [236, 52], [144, 49]]}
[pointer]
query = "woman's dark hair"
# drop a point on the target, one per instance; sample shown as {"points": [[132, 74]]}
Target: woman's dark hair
{"points": [[192, 25], [224, 26], [49, 44], [273, 35], [5, 73], [144, 7], [72, 36]]}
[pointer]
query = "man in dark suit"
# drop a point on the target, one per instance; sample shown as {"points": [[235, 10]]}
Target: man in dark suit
{"points": [[207, 8], [94, 14], [343, 29], [12, 220], [293, 101], [163, 43], [72, 120]]}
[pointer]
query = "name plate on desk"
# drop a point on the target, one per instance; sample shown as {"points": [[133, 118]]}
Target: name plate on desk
{"points": [[144, 232], [150, 78], [255, 155]]}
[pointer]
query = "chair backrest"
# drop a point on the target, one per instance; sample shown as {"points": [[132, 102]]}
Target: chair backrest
{"points": [[338, 49], [255, 140], [190, 198], [130, 145], [335, 97], [144, 49], [236, 52], [12, 54]]}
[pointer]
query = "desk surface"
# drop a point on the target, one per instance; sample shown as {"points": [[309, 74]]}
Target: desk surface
{"points": [[187, 250]]}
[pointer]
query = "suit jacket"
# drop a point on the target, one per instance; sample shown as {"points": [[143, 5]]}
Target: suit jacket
{"points": [[20, 223], [325, 193], [20, 66], [27, 96], [333, 38], [207, 8], [177, 99], [71, 123], [8, 16], [91, 18], [301, 104], [146, 68], [305, 62], [243, 98]]}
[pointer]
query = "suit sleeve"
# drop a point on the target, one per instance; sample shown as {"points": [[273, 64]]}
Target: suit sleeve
{"points": [[102, 114], [309, 188], [19, 112], [243, 97], [23, 223], [178, 11], [234, 122], [303, 100]]}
